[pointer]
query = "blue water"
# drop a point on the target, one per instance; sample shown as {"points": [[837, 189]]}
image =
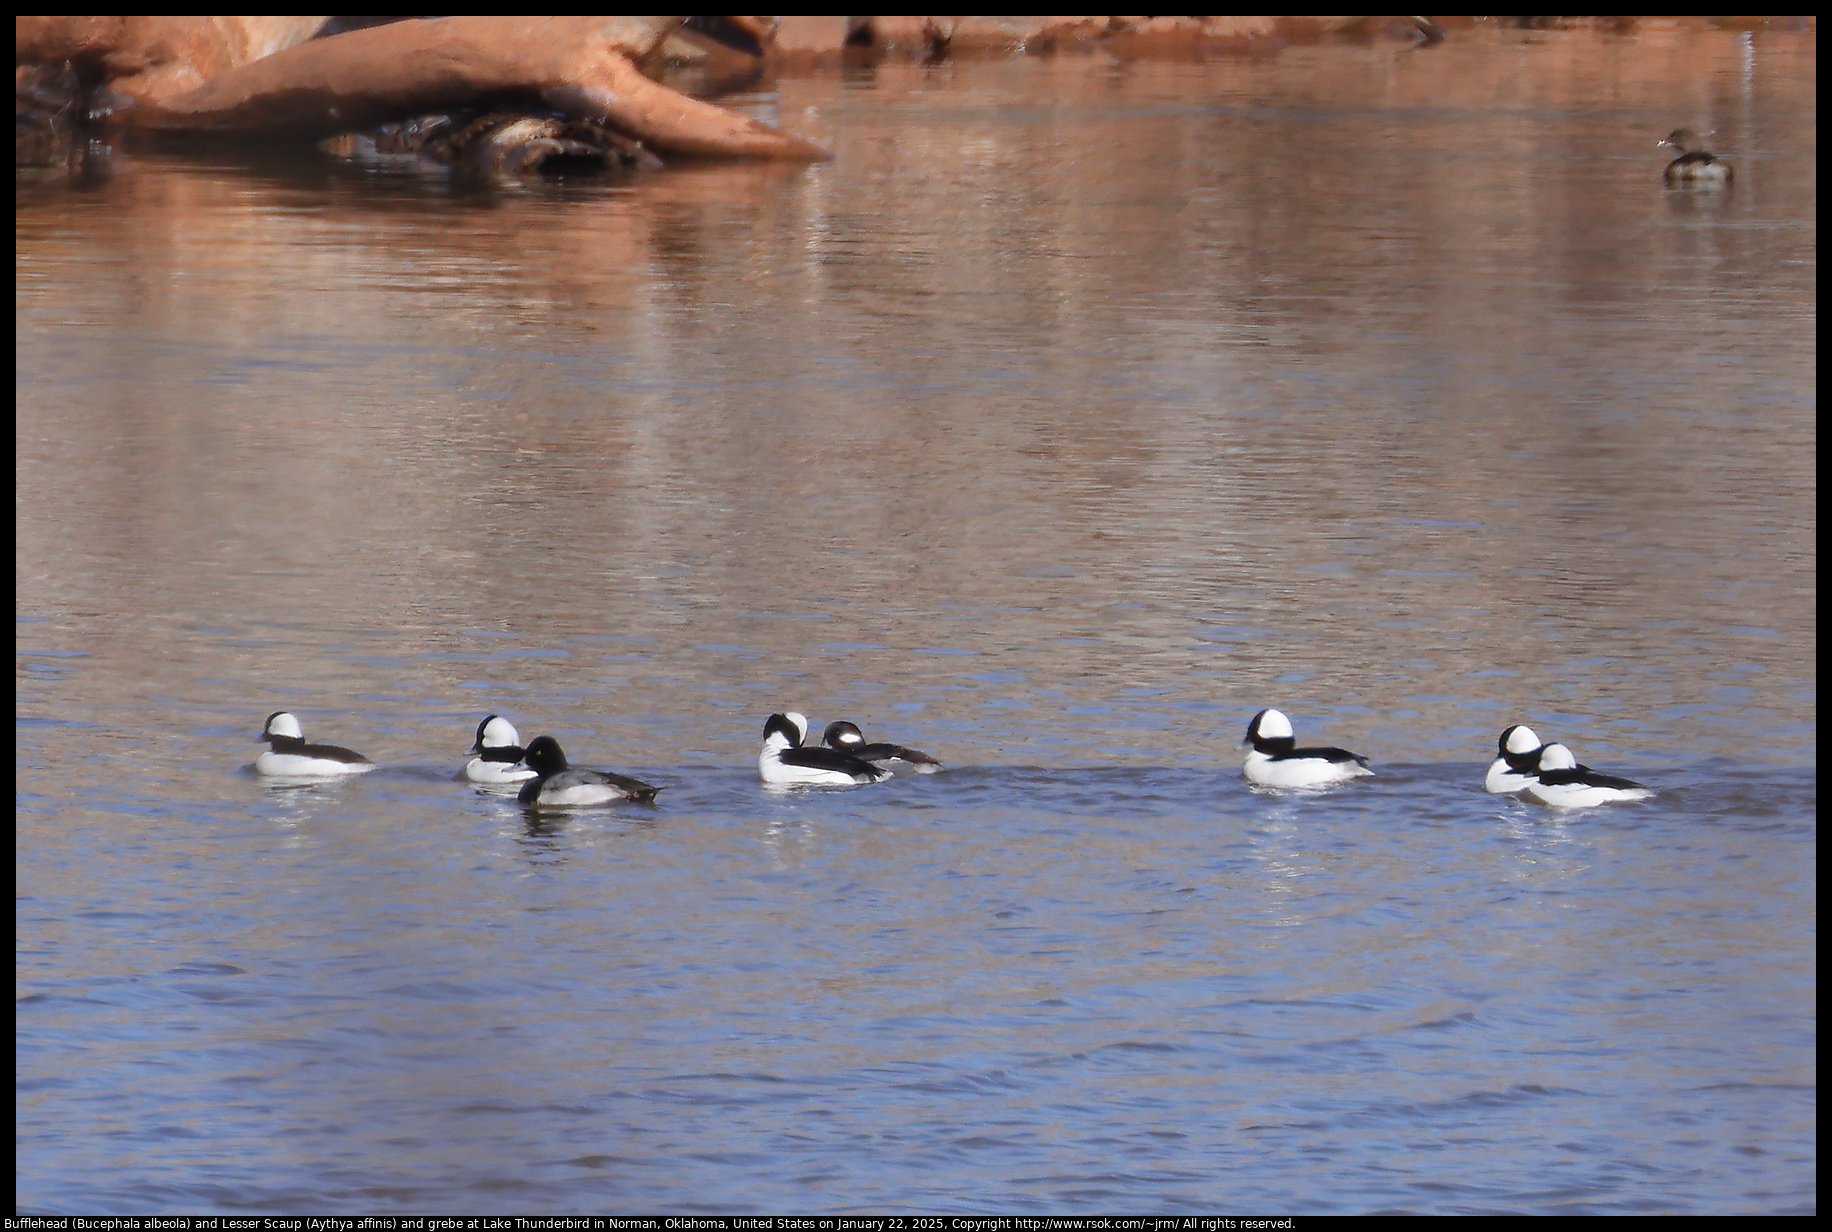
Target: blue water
{"points": [[996, 988], [1072, 414]]}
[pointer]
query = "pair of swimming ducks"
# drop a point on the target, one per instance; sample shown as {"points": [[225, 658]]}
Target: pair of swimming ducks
{"points": [[1546, 773], [547, 778]]}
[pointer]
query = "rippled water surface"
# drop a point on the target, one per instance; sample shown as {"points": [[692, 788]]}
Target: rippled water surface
{"points": [[1072, 413]]}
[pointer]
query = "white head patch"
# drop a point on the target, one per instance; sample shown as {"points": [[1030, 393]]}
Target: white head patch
{"points": [[780, 732], [500, 733], [283, 724], [1273, 726], [1557, 757], [1522, 740]]}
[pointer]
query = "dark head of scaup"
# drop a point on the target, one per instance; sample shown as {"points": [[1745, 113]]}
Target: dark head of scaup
{"points": [[558, 785]]}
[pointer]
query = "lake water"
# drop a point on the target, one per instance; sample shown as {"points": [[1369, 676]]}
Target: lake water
{"points": [[1071, 414]]}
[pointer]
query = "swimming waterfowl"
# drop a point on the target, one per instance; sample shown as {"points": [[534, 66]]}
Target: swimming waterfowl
{"points": [[1275, 761], [499, 754], [1694, 164], [1518, 763], [559, 785], [291, 757], [783, 761], [847, 738], [1563, 783]]}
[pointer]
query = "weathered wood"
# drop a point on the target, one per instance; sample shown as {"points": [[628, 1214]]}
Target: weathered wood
{"points": [[584, 66], [143, 58]]}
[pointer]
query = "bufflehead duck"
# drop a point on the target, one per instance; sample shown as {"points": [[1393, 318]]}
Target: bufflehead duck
{"points": [[290, 757], [1275, 762], [1562, 783], [1694, 165], [559, 785], [499, 754], [783, 760], [847, 738], [1518, 763]]}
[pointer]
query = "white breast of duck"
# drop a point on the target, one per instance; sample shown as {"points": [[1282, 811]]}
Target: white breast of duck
{"points": [[499, 754], [1517, 765]]}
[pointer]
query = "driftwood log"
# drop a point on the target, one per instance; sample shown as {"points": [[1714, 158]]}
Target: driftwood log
{"points": [[270, 76], [582, 66]]}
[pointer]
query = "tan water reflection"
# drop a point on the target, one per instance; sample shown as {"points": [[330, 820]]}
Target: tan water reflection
{"points": [[1332, 381]]}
